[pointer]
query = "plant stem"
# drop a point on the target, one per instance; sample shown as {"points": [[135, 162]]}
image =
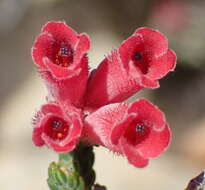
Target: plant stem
{"points": [[73, 171]]}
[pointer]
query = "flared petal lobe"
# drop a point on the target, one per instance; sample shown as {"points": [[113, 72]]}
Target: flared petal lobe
{"points": [[149, 54], [61, 57], [139, 62], [59, 129], [133, 156], [138, 130]]}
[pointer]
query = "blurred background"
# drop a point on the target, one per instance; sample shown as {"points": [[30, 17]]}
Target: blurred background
{"points": [[108, 22]]}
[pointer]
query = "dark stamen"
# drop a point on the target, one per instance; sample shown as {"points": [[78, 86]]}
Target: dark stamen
{"points": [[56, 124], [139, 128], [64, 51], [138, 56]]}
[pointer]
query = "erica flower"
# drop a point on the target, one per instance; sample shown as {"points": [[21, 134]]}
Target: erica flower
{"points": [[139, 62], [60, 54], [78, 110], [57, 128], [138, 130]]}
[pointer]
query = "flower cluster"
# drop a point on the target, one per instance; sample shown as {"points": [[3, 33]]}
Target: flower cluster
{"points": [[87, 106]]}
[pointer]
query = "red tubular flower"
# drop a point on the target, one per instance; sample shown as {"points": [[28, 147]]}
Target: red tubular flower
{"points": [[139, 130], [60, 54], [58, 129], [139, 62]]}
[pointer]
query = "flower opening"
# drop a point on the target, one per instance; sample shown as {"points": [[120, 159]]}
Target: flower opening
{"points": [[137, 132], [141, 61], [62, 54], [56, 128]]}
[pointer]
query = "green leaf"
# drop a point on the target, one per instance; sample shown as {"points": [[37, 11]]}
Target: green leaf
{"points": [[73, 171]]}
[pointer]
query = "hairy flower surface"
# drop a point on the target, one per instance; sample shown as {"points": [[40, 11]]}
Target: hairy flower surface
{"points": [[138, 130], [57, 128], [78, 110], [60, 54], [139, 62]]}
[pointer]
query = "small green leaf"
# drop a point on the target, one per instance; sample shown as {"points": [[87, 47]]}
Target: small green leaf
{"points": [[73, 171], [52, 185], [60, 176]]}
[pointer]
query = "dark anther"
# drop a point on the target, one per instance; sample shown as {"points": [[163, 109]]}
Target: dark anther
{"points": [[64, 51], [138, 56], [56, 124], [140, 128]]}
